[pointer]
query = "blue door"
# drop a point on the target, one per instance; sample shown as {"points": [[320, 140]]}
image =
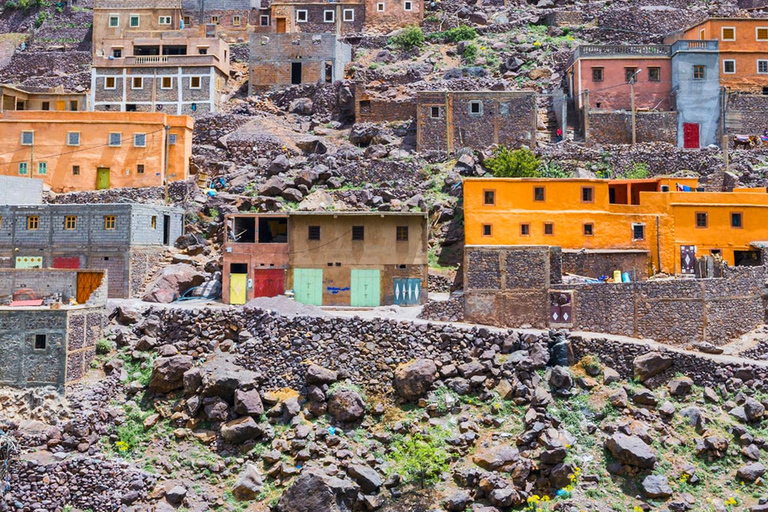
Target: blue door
{"points": [[407, 291]]}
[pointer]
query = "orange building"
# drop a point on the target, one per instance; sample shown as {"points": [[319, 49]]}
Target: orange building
{"points": [[95, 150], [649, 216], [743, 46]]}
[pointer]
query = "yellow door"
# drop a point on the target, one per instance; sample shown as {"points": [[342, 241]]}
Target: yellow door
{"points": [[60, 105], [237, 285], [102, 178]]}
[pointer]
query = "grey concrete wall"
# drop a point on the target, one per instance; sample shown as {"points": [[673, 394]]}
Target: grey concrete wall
{"points": [[697, 101], [46, 283], [18, 190]]}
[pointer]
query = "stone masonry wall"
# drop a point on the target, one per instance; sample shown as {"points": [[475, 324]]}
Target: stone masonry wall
{"points": [[616, 127], [591, 264], [746, 114]]}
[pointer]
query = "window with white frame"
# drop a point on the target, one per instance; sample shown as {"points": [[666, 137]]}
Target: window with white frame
{"points": [[348, 15], [215, 20], [137, 82], [194, 82], [236, 20], [762, 67], [133, 21], [115, 139], [301, 16], [329, 16], [164, 20], [407, 5], [728, 33], [73, 138], [264, 20], [166, 82], [109, 82], [434, 112], [114, 20], [139, 140], [729, 66], [475, 108], [27, 138], [761, 33], [380, 7]]}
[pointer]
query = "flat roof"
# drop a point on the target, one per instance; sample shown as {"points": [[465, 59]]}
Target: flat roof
{"points": [[594, 180], [330, 214]]}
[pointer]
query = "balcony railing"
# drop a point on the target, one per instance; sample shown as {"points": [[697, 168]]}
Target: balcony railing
{"points": [[684, 45], [623, 50], [169, 60]]}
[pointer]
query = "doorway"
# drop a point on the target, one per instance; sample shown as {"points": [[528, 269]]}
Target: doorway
{"points": [[102, 178], [166, 230], [87, 282], [328, 72], [295, 73], [238, 283], [691, 135], [687, 259], [280, 25]]}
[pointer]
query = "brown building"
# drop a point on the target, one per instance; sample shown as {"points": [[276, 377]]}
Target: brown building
{"points": [[232, 19], [388, 15], [17, 98], [312, 17], [118, 19], [363, 259], [447, 121], [383, 104]]}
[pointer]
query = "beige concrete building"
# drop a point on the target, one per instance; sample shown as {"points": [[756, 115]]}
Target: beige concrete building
{"points": [[18, 98]]}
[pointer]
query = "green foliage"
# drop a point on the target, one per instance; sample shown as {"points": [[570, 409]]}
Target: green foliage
{"points": [[373, 65], [470, 53], [517, 163], [432, 18], [136, 369], [131, 434], [456, 34], [639, 171], [409, 38], [103, 346], [553, 170], [420, 458]]}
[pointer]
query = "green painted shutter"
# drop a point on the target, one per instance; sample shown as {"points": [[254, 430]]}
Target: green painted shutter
{"points": [[366, 287], [308, 285]]}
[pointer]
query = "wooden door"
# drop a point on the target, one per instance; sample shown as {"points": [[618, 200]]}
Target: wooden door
{"points": [[61, 105], [691, 135], [365, 288], [308, 285], [237, 288], [268, 282], [687, 259], [87, 282], [102, 178], [280, 25]]}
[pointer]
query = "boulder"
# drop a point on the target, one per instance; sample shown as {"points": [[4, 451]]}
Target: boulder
{"points": [[362, 134], [631, 450], [366, 477], [680, 386], [315, 491], [249, 484], [457, 501], [346, 405], [241, 430], [311, 145], [753, 410], [306, 177], [750, 472], [168, 373], [651, 364], [172, 282], [176, 494], [248, 402], [561, 380], [318, 375], [657, 487], [496, 457], [279, 165], [413, 380], [221, 377], [292, 195], [273, 187], [301, 106]]}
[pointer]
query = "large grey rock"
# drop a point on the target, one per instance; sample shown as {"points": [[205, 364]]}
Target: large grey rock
{"points": [[753, 410], [651, 364], [631, 450], [657, 487], [220, 376], [248, 402], [362, 134], [315, 491], [458, 501], [172, 282], [249, 484], [273, 187], [176, 494], [750, 472], [168, 373], [367, 477], [496, 457], [346, 405], [279, 165], [680, 386], [318, 375], [301, 106], [413, 380], [241, 430]]}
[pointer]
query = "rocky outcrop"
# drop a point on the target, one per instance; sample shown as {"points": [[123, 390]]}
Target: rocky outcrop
{"points": [[168, 373], [413, 380], [315, 491], [173, 282], [631, 450]]}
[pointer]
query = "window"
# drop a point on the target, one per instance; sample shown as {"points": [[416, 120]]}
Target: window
{"points": [[434, 112], [75, 170], [699, 72], [638, 231], [153, 222], [702, 33], [761, 33], [629, 74], [46, 105], [23, 168], [215, 20], [109, 82], [27, 138], [236, 20], [117, 52], [115, 139], [166, 82], [348, 15], [408, 5], [73, 105], [114, 20], [762, 66], [736, 220], [73, 138], [358, 232], [313, 233], [728, 33], [264, 20], [701, 220], [134, 20], [489, 197], [194, 82], [380, 7], [33, 222], [42, 168], [202, 50], [475, 108], [301, 16], [139, 168], [41, 341], [654, 74], [589, 229], [597, 74], [587, 194], [538, 194], [70, 222], [164, 20], [549, 228], [525, 230], [329, 16], [139, 140], [487, 230], [401, 234], [109, 222], [729, 66], [172, 139], [137, 82]]}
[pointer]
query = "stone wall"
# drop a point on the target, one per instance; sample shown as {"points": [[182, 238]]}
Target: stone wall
{"points": [[746, 114], [84, 328], [377, 110], [565, 18], [616, 127], [596, 264]]}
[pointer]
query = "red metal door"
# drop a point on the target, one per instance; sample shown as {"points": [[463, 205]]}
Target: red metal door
{"points": [[691, 135], [66, 262], [268, 282]]}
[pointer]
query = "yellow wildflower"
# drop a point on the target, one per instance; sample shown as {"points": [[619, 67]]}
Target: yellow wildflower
{"points": [[544, 499], [122, 446]]}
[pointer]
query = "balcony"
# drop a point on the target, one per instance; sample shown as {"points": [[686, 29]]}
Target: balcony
{"points": [[694, 46], [620, 51], [161, 61]]}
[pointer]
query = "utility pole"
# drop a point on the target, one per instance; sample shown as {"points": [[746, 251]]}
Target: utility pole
{"points": [[632, 99]]}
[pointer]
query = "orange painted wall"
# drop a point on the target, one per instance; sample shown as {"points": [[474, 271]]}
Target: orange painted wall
{"points": [[50, 146], [612, 223]]}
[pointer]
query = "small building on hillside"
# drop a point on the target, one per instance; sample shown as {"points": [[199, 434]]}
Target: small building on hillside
{"points": [[361, 259], [232, 19], [118, 19], [343, 17], [291, 59], [72, 151], [451, 120], [128, 240], [384, 16], [45, 338], [39, 98]]}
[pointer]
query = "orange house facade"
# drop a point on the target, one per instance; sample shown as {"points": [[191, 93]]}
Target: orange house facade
{"points": [[652, 216], [72, 151], [743, 44]]}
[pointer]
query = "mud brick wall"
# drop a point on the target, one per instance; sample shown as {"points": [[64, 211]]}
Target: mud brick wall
{"points": [[378, 110], [593, 264], [616, 127], [316, 19], [565, 18], [745, 114]]}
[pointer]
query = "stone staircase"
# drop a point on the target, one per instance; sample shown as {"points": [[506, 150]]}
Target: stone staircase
{"points": [[165, 259]]}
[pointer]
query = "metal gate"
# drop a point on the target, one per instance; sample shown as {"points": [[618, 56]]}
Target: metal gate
{"points": [[268, 282], [561, 308], [308, 285], [365, 288], [407, 291], [87, 282], [687, 259], [691, 135], [238, 288], [29, 262]]}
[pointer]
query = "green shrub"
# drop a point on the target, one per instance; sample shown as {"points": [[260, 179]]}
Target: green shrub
{"points": [[103, 346], [419, 459], [409, 38], [517, 163], [470, 53], [460, 33], [639, 171], [553, 170]]}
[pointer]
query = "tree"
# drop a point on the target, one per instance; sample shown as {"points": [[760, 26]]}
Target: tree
{"points": [[517, 163]]}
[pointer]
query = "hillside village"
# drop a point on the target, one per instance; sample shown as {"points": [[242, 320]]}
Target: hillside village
{"points": [[383, 255]]}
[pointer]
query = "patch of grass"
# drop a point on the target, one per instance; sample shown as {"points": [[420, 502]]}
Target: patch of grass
{"points": [[420, 458], [138, 370], [103, 346], [410, 38]]}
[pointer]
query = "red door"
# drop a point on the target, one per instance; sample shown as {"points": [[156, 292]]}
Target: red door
{"points": [[691, 135], [66, 262], [268, 282]]}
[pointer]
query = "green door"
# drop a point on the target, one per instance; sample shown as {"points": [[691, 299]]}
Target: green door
{"points": [[102, 178], [308, 285], [366, 286]]}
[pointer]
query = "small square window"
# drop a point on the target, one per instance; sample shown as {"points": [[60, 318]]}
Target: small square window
{"points": [[701, 220], [487, 230], [73, 105], [349, 15], [380, 7], [73, 138], [166, 82], [109, 82], [70, 223], [598, 74], [114, 20], [139, 168], [41, 341], [587, 194], [109, 222], [549, 228], [236, 20], [408, 5], [172, 139], [33, 223], [402, 234], [134, 20], [489, 197], [761, 33], [194, 82], [638, 231], [728, 33], [525, 230], [202, 50], [736, 220], [117, 52], [153, 222], [729, 66], [329, 16], [301, 16], [264, 20], [137, 82], [654, 74], [434, 112], [313, 233], [589, 229], [538, 194], [115, 139], [75, 170], [475, 108], [215, 20], [42, 168], [629, 74], [139, 140], [23, 168], [358, 232], [164, 20], [762, 66], [46, 105], [699, 72], [27, 138]]}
